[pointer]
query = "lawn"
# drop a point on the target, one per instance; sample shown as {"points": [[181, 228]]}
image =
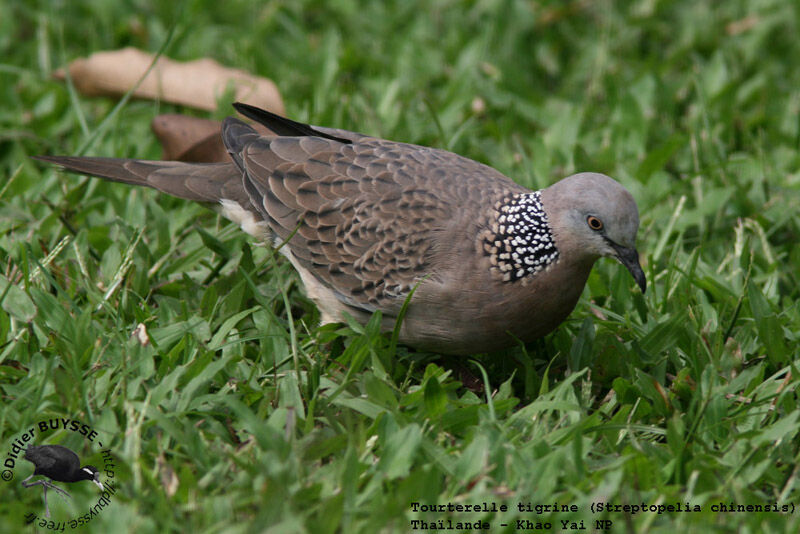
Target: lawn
{"points": [[641, 413]]}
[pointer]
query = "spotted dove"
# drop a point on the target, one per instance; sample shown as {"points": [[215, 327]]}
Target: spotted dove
{"points": [[369, 220]]}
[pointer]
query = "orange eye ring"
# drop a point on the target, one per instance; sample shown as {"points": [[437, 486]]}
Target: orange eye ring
{"points": [[594, 223]]}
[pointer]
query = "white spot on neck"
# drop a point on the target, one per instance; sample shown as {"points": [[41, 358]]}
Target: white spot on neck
{"points": [[524, 235]]}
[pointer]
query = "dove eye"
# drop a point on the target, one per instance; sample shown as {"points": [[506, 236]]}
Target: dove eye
{"points": [[594, 223]]}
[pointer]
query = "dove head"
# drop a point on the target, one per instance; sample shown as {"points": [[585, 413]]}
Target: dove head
{"points": [[593, 216]]}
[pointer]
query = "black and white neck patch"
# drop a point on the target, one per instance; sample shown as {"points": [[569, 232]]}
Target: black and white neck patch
{"points": [[519, 241]]}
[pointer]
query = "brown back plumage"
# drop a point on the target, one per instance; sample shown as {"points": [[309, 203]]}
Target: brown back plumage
{"points": [[365, 212]]}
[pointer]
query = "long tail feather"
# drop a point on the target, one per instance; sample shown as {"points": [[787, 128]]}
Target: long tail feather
{"points": [[201, 182]]}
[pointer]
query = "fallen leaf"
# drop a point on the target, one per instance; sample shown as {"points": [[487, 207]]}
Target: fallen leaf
{"points": [[140, 334], [740, 26], [196, 84], [192, 139], [169, 480]]}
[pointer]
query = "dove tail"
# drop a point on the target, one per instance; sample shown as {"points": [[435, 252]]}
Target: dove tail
{"points": [[201, 182]]}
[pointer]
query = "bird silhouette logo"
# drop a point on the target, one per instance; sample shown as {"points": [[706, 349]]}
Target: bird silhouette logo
{"points": [[57, 463]]}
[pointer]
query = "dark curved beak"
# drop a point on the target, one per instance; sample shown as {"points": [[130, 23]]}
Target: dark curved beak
{"points": [[630, 259]]}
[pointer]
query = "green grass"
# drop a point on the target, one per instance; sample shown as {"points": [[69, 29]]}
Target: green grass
{"points": [[243, 415]]}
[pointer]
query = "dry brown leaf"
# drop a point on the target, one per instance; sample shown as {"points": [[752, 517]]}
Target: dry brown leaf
{"points": [[169, 479], [742, 25], [186, 138], [140, 334], [192, 139], [197, 84]]}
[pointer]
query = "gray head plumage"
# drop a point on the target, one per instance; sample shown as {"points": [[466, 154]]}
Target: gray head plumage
{"points": [[598, 217]]}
